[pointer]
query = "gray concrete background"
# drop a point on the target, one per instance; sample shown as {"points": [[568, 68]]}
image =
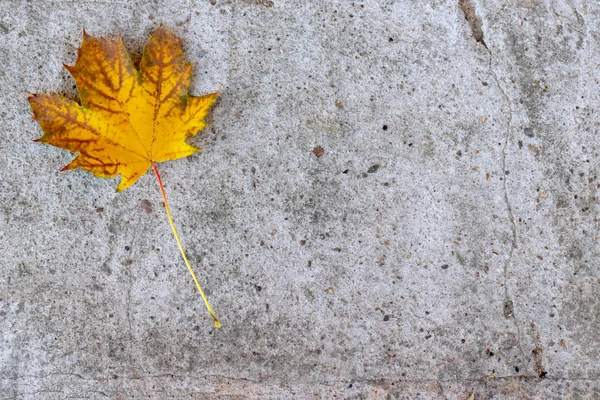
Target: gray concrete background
{"points": [[454, 252]]}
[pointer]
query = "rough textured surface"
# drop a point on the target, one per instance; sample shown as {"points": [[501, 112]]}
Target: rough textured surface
{"points": [[394, 200]]}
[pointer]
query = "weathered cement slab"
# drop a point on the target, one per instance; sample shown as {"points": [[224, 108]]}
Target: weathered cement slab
{"points": [[444, 243]]}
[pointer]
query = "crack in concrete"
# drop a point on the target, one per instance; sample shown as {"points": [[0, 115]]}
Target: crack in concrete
{"points": [[533, 377], [511, 215], [130, 283], [18, 377], [128, 305], [473, 19], [131, 336], [265, 383], [167, 375], [509, 209], [22, 394], [579, 17]]}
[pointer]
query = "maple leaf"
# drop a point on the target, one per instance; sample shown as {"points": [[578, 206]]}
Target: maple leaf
{"points": [[128, 120]]}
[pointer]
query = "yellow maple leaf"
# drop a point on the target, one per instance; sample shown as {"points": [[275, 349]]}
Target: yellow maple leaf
{"points": [[128, 120]]}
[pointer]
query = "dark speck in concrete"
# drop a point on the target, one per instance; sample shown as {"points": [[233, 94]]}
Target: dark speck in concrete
{"points": [[373, 168], [318, 151], [146, 206]]}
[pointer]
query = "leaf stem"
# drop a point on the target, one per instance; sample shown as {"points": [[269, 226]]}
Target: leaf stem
{"points": [[210, 310]]}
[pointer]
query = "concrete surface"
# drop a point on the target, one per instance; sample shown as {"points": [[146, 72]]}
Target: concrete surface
{"points": [[444, 242]]}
